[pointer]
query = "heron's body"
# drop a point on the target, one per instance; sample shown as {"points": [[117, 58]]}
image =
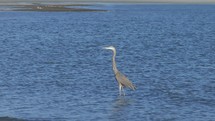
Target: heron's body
{"points": [[122, 80]]}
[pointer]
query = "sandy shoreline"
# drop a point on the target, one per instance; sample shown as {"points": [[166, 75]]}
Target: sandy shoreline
{"points": [[47, 7], [66, 6], [107, 1]]}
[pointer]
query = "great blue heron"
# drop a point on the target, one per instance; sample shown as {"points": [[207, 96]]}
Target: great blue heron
{"points": [[122, 80]]}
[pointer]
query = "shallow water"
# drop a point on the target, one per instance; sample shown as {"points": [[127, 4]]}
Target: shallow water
{"points": [[53, 66]]}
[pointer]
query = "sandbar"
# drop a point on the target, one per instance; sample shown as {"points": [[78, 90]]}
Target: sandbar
{"points": [[49, 7]]}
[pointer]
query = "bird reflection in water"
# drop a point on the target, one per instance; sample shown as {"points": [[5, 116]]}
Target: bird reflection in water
{"points": [[120, 106]]}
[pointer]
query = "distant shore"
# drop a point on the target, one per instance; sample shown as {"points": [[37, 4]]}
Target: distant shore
{"points": [[109, 1], [76, 6], [47, 7]]}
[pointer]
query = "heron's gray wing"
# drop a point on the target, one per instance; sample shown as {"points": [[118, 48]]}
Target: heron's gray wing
{"points": [[122, 79]]}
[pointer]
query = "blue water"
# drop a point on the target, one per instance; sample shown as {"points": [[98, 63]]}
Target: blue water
{"points": [[53, 67]]}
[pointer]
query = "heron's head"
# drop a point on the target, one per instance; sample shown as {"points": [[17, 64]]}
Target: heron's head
{"points": [[110, 48]]}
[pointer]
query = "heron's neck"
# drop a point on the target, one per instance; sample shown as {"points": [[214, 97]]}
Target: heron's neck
{"points": [[114, 62]]}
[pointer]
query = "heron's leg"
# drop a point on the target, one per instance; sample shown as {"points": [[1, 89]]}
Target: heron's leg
{"points": [[123, 91], [120, 89]]}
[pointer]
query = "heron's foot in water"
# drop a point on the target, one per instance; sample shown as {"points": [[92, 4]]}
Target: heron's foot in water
{"points": [[121, 93]]}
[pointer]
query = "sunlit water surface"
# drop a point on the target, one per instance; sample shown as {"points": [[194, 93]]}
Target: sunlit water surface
{"points": [[53, 67]]}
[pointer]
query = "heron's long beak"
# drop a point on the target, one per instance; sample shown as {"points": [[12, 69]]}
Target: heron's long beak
{"points": [[105, 48]]}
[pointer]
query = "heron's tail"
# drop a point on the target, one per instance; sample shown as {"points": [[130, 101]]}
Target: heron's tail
{"points": [[133, 87]]}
